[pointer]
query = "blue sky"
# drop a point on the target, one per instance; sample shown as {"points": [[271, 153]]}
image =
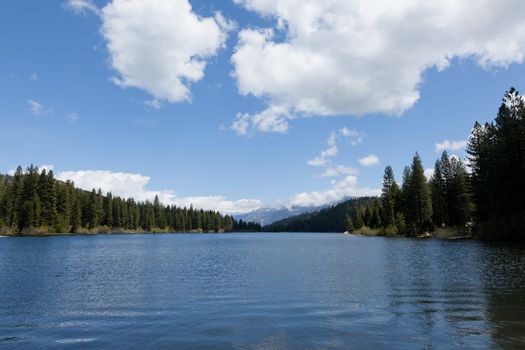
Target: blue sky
{"points": [[258, 107]]}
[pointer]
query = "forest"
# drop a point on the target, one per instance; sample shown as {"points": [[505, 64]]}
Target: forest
{"points": [[34, 202], [481, 196]]}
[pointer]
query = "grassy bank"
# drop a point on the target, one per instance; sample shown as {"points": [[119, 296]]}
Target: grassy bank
{"points": [[42, 231], [440, 233]]}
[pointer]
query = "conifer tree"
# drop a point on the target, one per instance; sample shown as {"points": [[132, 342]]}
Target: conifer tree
{"points": [[349, 225], [48, 199], [389, 197], [439, 204], [359, 222]]}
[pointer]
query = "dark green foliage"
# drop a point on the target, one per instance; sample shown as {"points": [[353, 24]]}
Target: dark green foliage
{"points": [[439, 200], [359, 222], [389, 197], [349, 225], [451, 193], [34, 202], [332, 219], [497, 161], [376, 221], [419, 205]]}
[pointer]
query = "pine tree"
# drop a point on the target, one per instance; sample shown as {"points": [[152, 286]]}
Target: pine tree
{"points": [[416, 192], [30, 208], [76, 215], [377, 222], [107, 205], [63, 207], [464, 205], [359, 223], [439, 204], [48, 199], [389, 197], [349, 226]]}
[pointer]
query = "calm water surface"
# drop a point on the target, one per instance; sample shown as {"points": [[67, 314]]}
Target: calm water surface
{"points": [[259, 291]]}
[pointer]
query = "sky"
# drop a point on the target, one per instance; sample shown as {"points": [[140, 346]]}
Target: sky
{"points": [[236, 105]]}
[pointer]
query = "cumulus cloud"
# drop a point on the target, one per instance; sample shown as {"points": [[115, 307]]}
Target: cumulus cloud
{"points": [[271, 120], [345, 188], [322, 158], [447, 145], [369, 160], [221, 204], [337, 170], [132, 185], [429, 172], [160, 46], [344, 57], [36, 108], [81, 7], [353, 137]]}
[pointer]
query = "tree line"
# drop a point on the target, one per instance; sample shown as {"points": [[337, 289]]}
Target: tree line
{"points": [[482, 195], [33, 201]]}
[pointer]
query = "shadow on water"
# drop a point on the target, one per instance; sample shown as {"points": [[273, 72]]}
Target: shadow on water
{"points": [[463, 294], [503, 275]]}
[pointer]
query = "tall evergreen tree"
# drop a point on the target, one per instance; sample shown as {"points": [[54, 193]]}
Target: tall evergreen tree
{"points": [[439, 202], [389, 197], [48, 199], [417, 197]]}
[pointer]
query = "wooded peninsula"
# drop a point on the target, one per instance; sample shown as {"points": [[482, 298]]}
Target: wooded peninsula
{"points": [[481, 196]]}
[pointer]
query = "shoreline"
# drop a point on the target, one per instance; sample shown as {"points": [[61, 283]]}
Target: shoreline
{"points": [[70, 234]]}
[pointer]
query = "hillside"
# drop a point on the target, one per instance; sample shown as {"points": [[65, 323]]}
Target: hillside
{"points": [[267, 216], [332, 219]]}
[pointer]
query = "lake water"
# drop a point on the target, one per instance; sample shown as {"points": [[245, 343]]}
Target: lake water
{"points": [[259, 291]]}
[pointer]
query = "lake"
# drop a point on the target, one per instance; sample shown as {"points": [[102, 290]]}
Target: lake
{"points": [[259, 291]]}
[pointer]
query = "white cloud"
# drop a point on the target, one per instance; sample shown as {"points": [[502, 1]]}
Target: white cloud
{"points": [[329, 152], [36, 108], [355, 136], [160, 46], [337, 170], [369, 160], [451, 145], [72, 117], [340, 189], [429, 173], [322, 159], [344, 57], [130, 185], [332, 139], [33, 77], [221, 204], [80, 7], [317, 161], [271, 120]]}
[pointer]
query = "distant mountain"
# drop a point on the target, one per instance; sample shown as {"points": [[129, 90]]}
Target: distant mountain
{"points": [[266, 216], [329, 219]]}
